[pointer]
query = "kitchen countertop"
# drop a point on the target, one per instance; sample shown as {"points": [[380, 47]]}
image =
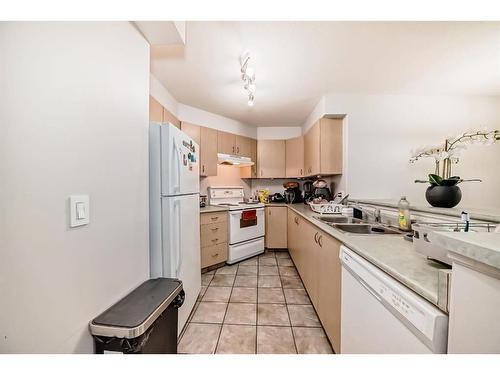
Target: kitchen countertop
{"points": [[392, 254], [481, 247], [207, 209], [484, 214]]}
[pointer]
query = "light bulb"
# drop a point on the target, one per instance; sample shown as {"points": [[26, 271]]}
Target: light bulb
{"points": [[250, 102], [252, 87]]}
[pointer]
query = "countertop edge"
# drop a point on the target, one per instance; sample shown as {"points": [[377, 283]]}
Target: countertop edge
{"points": [[432, 298], [208, 209]]}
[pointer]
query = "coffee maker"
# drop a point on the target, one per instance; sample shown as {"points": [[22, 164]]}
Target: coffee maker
{"points": [[308, 191], [292, 192]]}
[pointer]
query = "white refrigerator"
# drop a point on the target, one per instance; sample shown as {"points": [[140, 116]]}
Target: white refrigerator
{"points": [[174, 211]]}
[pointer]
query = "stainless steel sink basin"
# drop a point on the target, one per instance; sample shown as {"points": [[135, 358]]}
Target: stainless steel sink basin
{"points": [[371, 229], [338, 219]]}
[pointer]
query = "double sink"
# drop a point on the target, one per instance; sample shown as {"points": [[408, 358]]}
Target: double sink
{"points": [[352, 225]]}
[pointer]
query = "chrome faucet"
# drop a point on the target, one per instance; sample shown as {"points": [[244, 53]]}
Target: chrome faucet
{"points": [[375, 213]]}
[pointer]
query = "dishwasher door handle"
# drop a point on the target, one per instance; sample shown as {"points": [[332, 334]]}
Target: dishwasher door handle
{"points": [[369, 289]]}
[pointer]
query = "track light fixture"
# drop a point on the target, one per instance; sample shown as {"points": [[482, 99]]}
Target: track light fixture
{"points": [[248, 77]]}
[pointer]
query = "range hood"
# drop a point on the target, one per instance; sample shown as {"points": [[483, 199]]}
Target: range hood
{"points": [[237, 161]]}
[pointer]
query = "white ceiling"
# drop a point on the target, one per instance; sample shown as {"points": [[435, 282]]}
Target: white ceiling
{"points": [[298, 62]]}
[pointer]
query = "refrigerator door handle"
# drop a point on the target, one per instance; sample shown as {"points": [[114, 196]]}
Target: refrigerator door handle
{"points": [[177, 188], [179, 239]]}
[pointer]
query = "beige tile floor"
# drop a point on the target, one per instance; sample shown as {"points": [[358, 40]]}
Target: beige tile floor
{"points": [[258, 306]]}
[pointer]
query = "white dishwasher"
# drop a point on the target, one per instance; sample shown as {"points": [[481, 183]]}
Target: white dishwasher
{"points": [[380, 315]]}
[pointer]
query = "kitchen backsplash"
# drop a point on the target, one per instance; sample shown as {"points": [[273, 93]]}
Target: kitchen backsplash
{"points": [[227, 175]]}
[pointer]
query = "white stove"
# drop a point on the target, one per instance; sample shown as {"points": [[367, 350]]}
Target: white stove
{"points": [[239, 205], [246, 221]]}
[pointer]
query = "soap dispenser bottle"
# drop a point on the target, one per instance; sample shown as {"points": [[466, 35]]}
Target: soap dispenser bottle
{"points": [[404, 218]]}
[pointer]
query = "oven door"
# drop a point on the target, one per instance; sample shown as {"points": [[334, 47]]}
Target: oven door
{"points": [[240, 231]]}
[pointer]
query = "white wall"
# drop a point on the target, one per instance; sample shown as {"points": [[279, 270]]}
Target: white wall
{"points": [[211, 120], [383, 129], [227, 175], [73, 119], [160, 93], [279, 132]]}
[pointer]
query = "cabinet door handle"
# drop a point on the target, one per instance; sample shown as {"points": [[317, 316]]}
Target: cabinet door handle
{"points": [[203, 168], [215, 255], [233, 149], [269, 212], [237, 150], [296, 219], [316, 237], [319, 241], [301, 171]]}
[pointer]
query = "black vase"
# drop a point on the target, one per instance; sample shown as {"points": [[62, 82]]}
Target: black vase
{"points": [[443, 196]]}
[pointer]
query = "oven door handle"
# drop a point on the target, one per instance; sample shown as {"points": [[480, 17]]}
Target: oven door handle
{"points": [[238, 212]]}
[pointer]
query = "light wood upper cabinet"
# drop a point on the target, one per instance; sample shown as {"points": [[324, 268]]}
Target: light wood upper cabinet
{"points": [[251, 172], [242, 146], [155, 110], [207, 141], [312, 150], [193, 131], [276, 227], [271, 158], [226, 143], [158, 113], [253, 156], [169, 117], [208, 152], [323, 148], [294, 157]]}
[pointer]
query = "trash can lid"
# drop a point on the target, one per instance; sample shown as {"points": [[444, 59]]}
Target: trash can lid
{"points": [[133, 315]]}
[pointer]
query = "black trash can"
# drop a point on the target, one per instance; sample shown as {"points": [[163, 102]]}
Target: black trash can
{"points": [[145, 321]]}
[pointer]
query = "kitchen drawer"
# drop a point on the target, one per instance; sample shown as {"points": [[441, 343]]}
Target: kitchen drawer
{"points": [[211, 255], [212, 234], [213, 217]]}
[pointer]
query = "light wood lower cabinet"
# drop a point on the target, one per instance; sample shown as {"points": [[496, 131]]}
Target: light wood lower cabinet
{"points": [[328, 287], [316, 256], [276, 227], [213, 232]]}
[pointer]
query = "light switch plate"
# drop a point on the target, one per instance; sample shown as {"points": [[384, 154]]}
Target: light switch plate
{"points": [[79, 210]]}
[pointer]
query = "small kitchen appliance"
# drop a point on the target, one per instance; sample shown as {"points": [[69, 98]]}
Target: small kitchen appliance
{"points": [[246, 221], [292, 192], [308, 191], [277, 198]]}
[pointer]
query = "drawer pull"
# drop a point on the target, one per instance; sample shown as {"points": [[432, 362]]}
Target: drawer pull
{"points": [[215, 240], [316, 237], [214, 218], [215, 255], [214, 229], [296, 219], [319, 241]]}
